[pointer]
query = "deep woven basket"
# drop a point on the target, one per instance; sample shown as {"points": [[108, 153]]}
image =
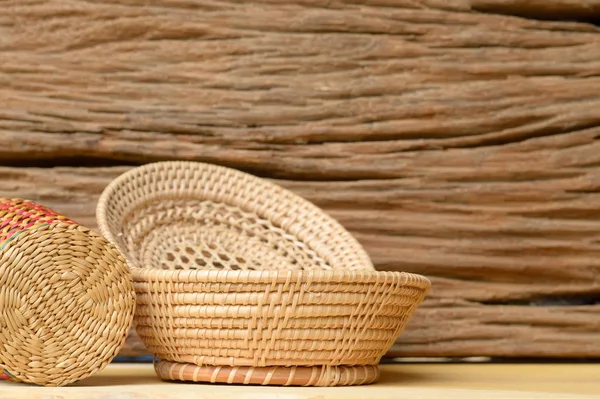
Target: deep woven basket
{"points": [[241, 281], [66, 297]]}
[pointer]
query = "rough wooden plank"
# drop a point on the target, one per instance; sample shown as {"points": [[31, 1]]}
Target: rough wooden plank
{"points": [[454, 327], [460, 145], [291, 89], [509, 279]]}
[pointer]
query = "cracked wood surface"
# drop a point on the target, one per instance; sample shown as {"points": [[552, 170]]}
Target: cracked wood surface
{"points": [[454, 139], [577, 10], [290, 89]]}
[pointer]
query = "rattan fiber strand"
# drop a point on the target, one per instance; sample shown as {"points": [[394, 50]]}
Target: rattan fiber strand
{"points": [[66, 297], [212, 247]]}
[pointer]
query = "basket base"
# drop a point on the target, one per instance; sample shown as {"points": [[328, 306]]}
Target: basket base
{"points": [[323, 376]]}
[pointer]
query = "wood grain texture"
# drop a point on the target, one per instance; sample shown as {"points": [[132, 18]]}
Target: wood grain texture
{"points": [[509, 279], [455, 139], [293, 90]]}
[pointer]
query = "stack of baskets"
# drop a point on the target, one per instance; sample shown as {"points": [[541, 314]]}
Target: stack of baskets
{"points": [[241, 281]]}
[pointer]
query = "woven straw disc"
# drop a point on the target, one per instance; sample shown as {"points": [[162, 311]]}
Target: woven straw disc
{"points": [[241, 281], [66, 297]]}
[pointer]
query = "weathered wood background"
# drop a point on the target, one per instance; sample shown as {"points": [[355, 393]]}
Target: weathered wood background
{"points": [[457, 139]]}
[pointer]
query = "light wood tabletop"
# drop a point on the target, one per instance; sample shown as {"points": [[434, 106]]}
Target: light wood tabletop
{"points": [[422, 381]]}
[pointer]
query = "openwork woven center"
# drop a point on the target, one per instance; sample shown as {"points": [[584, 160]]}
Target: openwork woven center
{"points": [[189, 215], [185, 234]]}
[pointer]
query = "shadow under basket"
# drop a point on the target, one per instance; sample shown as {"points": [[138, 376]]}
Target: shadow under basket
{"points": [[66, 297], [241, 281]]}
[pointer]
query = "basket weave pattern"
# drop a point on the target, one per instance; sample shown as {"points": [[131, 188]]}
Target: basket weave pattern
{"points": [[214, 212], [66, 297], [274, 319], [241, 281]]}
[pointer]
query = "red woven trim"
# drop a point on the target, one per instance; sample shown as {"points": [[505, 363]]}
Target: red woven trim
{"points": [[19, 214], [5, 375]]}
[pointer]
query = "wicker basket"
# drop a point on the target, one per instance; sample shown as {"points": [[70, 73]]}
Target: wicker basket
{"points": [[66, 297], [241, 281]]}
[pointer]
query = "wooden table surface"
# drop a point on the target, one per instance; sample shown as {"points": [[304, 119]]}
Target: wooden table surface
{"points": [[422, 381]]}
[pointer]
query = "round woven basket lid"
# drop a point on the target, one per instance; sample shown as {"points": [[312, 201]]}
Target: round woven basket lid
{"points": [[191, 215], [66, 297]]}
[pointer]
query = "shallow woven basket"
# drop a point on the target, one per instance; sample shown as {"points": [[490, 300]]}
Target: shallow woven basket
{"points": [[241, 281], [66, 297]]}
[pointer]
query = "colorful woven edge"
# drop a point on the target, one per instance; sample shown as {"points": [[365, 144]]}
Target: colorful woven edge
{"points": [[5, 375], [18, 215]]}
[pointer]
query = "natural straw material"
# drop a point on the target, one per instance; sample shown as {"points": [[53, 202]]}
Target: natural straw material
{"points": [[66, 297], [237, 276]]}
